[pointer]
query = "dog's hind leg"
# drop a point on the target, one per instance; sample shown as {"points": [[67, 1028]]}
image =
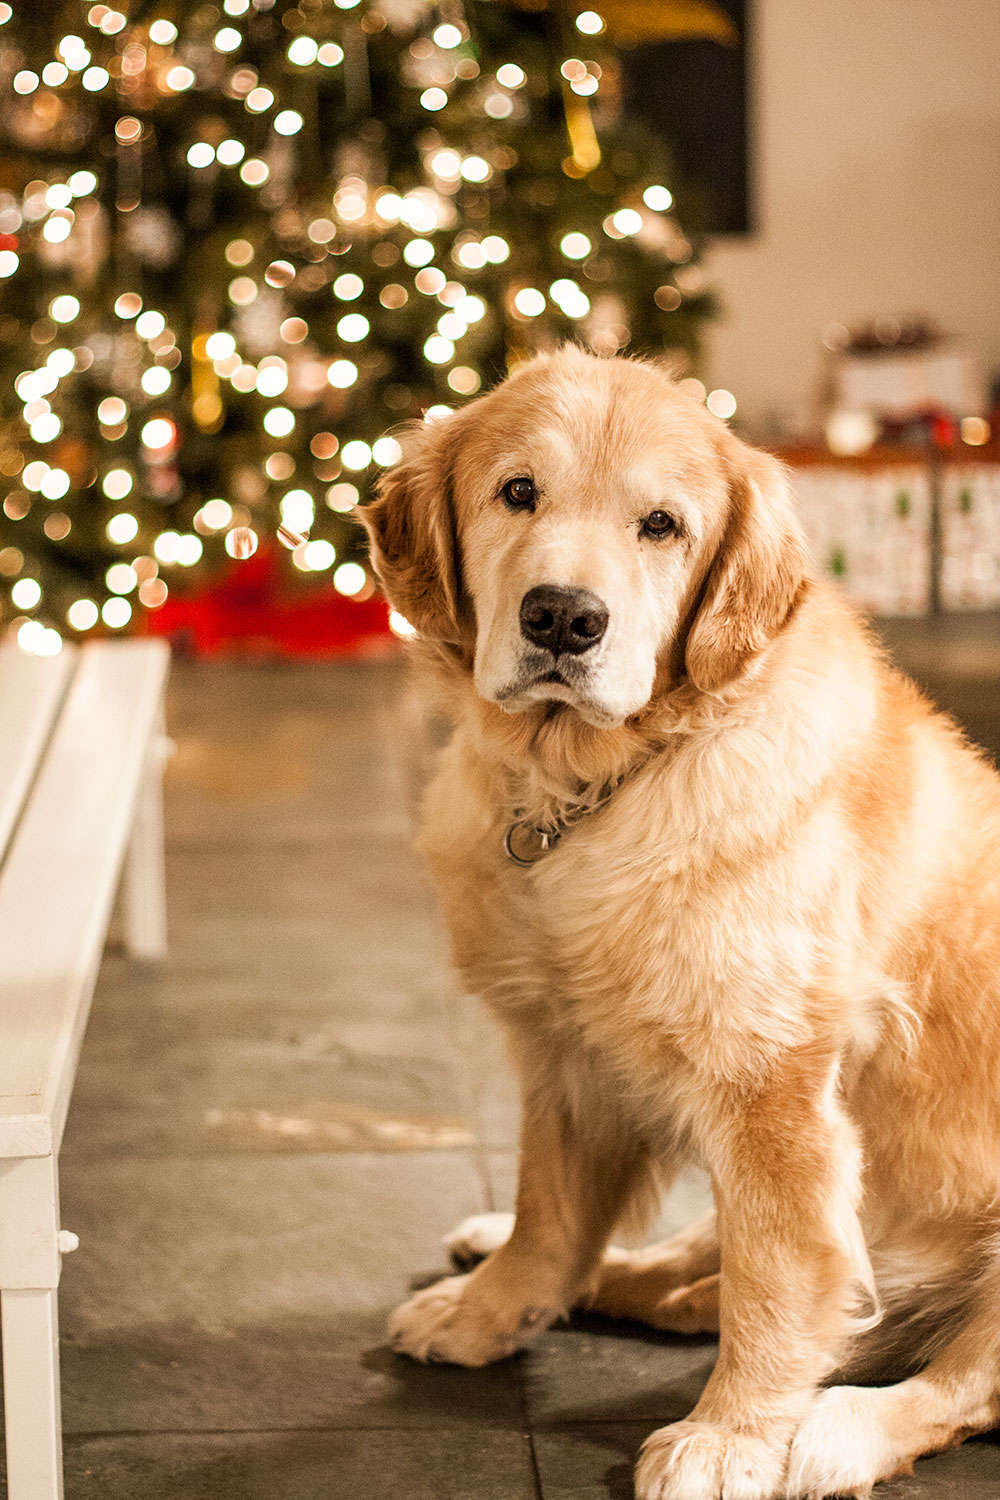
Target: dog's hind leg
{"points": [[478, 1236], [853, 1436], [673, 1285]]}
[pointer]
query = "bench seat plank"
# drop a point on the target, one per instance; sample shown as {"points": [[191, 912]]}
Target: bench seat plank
{"points": [[31, 690], [59, 880]]}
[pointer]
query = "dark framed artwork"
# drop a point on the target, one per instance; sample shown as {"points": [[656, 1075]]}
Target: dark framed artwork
{"points": [[689, 85]]}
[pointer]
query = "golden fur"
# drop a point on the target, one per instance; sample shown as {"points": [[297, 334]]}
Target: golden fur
{"points": [[775, 950]]}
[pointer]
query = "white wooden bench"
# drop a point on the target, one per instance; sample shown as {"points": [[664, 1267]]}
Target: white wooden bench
{"points": [[81, 743]]}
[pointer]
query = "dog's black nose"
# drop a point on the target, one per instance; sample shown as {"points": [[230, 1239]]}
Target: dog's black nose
{"points": [[561, 619]]}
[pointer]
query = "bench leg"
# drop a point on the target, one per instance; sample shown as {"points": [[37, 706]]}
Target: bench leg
{"points": [[30, 1329], [144, 886]]}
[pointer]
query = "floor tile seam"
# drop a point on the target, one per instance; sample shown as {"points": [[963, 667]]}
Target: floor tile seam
{"points": [[91, 1435], [387, 833], [118, 1157], [525, 1408], [536, 1471], [545, 1425]]}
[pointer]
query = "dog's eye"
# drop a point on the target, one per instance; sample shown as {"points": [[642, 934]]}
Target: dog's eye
{"points": [[519, 494], [658, 523]]}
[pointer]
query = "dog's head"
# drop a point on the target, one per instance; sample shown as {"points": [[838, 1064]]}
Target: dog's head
{"points": [[584, 533]]}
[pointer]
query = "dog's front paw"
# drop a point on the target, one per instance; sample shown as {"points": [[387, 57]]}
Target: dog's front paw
{"points": [[700, 1461], [844, 1445], [478, 1236], [453, 1322]]}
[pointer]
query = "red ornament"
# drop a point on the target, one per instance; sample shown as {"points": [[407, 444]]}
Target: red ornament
{"points": [[251, 612]]}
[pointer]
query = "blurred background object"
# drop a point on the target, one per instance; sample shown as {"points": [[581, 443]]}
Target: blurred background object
{"points": [[243, 243]]}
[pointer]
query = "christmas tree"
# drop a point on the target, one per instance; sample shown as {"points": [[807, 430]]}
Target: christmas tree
{"points": [[239, 245]]}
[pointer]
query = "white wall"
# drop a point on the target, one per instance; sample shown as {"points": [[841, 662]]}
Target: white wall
{"points": [[877, 141]]}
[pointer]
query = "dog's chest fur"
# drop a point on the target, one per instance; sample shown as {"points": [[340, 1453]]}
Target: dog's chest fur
{"points": [[640, 941]]}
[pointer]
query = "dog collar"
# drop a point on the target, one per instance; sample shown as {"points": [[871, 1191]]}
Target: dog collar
{"points": [[525, 842]]}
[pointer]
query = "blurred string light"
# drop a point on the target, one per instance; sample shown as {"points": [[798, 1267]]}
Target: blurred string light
{"points": [[342, 374], [177, 548], [438, 350], [303, 51], [82, 614], [220, 345], [529, 302], [353, 327], [350, 578], [155, 381], [26, 593], [150, 324], [658, 198], [55, 484], [116, 612], [158, 433], [298, 510], [356, 454], [39, 640], [721, 404], [400, 626], [626, 221], [122, 528], [117, 484], [342, 497], [64, 309], [179, 79], [570, 298], [319, 555], [386, 451], [279, 421], [272, 377], [121, 578], [214, 515]]}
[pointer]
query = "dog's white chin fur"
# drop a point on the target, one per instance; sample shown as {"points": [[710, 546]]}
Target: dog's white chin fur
{"points": [[599, 714]]}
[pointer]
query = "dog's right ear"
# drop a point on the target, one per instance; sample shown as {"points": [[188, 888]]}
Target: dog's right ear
{"points": [[412, 534]]}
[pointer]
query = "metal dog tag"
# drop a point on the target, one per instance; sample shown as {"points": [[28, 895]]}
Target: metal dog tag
{"points": [[525, 844]]}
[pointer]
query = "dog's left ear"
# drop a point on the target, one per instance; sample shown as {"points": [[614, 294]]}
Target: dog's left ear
{"points": [[411, 530], [757, 576]]}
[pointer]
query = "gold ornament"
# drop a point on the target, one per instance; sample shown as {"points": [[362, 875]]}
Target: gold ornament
{"points": [[630, 22], [206, 401], [586, 152]]}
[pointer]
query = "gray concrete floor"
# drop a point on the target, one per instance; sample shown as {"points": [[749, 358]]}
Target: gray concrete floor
{"points": [[271, 1132]]}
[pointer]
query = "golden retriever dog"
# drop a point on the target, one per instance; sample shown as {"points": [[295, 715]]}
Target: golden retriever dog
{"points": [[732, 888]]}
